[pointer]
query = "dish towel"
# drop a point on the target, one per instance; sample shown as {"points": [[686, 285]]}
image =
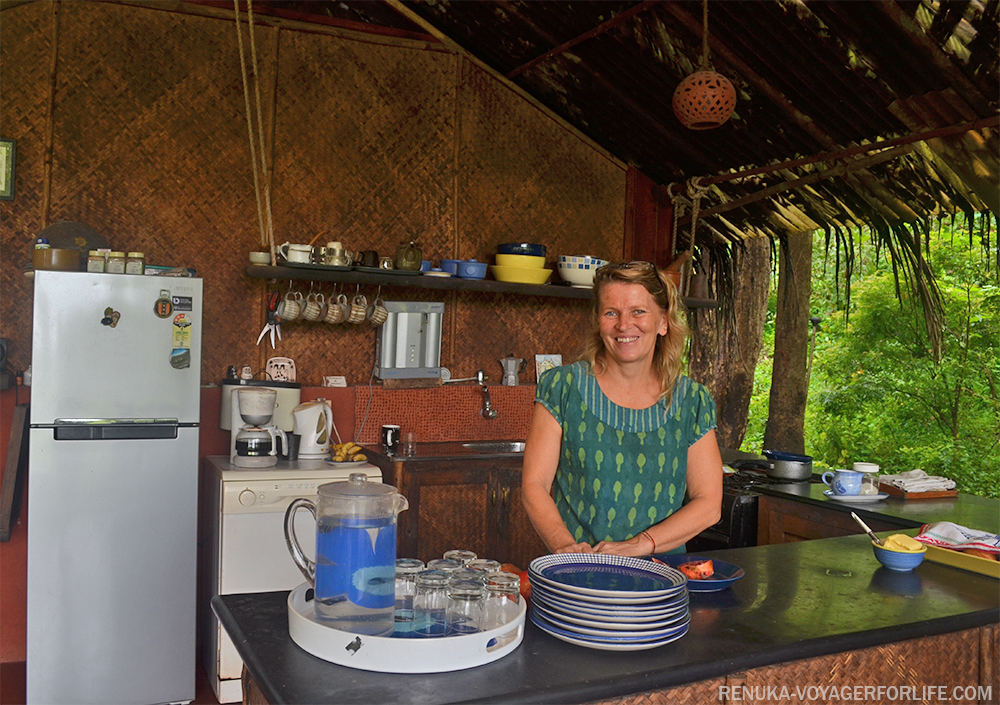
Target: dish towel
{"points": [[949, 535], [917, 481]]}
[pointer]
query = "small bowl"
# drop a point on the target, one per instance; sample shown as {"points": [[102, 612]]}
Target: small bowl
{"points": [[898, 560], [520, 275], [521, 248], [579, 270], [426, 265], [450, 266], [527, 261], [472, 269], [260, 258]]}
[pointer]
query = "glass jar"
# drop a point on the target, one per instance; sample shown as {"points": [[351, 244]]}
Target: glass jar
{"points": [[502, 602], [487, 565], [869, 477], [135, 263], [462, 557], [95, 261], [446, 564], [406, 587], [465, 607], [116, 262], [430, 604]]}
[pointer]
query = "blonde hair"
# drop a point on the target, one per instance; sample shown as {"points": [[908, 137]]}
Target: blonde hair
{"points": [[669, 352]]}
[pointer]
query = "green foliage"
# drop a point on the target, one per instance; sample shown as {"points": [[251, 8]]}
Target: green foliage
{"points": [[876, 393]]}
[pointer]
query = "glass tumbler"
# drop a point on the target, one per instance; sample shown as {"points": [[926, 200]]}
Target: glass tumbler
{"points": [[465, 607], [462, 557], [486, 565], [406, 587], [430, 604], [468, 574], [445, 564], [501, 604]]}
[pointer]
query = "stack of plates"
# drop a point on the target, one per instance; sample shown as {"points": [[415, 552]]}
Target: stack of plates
{"points": [[615, 603]]}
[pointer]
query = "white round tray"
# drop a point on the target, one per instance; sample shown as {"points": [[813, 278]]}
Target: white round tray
{"points": [[395, 655]]}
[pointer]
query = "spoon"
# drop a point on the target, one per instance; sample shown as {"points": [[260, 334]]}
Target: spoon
{"points": [[864, 526]]}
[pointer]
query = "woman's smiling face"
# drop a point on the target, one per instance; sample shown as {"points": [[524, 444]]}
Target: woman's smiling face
{"points": [[630, 322]]}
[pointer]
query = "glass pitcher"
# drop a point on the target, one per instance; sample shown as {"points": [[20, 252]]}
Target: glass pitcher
{"points": [[354, 574]]}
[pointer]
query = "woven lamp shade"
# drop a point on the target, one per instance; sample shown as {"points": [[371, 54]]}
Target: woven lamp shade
{"points": [[704, 100]]}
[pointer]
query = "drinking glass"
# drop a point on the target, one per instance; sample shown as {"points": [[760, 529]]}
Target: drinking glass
{"points": [[501, 603], [406, 587], [430, 604], [465, 607], [462, 557], [444, 564], [487, 565], [408, 444]]}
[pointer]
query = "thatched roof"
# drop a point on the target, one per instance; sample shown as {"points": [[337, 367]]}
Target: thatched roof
{"points": [[813, 78]]}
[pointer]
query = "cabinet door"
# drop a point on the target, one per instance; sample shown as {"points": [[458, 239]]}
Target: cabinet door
{"points": [[521, 542], [784, 520], [449, 508]]}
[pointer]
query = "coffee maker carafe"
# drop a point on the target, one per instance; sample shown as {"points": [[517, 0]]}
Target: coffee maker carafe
{"points": [[254, 445]]}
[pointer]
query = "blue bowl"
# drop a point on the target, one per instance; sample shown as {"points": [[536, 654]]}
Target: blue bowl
{"points": [[450, 266], [521, 248], [896, 560], [471, 269], [425, 265]]}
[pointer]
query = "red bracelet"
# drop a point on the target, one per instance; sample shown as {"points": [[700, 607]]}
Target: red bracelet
{"points": [[646, 534]]}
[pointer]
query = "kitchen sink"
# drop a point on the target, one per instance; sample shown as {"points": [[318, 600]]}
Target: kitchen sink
{"points": [[496, 446]]}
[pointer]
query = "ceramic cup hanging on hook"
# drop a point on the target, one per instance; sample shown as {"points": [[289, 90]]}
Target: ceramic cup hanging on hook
{"points": [[359, 307], [292, 305], [377, 312]]}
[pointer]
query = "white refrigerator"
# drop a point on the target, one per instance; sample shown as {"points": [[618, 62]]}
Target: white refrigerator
{"points": [[113, 488]]}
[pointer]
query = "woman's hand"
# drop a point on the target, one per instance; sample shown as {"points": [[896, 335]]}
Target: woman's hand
{"points": [[635, 546], [576, 548]]}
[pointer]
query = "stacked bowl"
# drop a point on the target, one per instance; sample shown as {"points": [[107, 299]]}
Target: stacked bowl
{"points": [[521, 262], [613, 603], [579, 270]]}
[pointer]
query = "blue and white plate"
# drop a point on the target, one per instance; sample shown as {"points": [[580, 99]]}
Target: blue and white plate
{"points": [[597, 575], [725, 573], [608, 606], [855, 498], [614, 614], [576, 623], [611, 634], [605, 644]]}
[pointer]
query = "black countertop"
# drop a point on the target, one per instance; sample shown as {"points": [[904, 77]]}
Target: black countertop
{"points": [[966, 510], [797, 600]]}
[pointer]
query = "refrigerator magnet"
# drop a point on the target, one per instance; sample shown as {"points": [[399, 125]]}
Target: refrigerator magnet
{"points": [[163, 306], [180, 355]]}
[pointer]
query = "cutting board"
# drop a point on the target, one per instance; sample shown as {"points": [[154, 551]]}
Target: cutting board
{"points": [[894, 491]]}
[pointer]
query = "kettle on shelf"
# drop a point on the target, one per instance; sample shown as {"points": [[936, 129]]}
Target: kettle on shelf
{"points": [[408, 256], [314, 423]]}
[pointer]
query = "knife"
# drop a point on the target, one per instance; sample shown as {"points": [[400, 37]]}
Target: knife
{"points": [[864, 526]]}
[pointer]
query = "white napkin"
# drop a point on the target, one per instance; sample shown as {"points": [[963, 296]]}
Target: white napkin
{"points": [[917, 481], [949, 535]]}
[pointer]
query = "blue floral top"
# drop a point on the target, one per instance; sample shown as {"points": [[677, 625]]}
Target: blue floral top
{"points": [[620, 470]]}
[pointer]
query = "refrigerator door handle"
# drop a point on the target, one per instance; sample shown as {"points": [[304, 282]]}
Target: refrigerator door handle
{"points": [[113, 429]]}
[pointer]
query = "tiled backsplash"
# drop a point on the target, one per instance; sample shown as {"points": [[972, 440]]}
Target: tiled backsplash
{"points": [[448, 413]]}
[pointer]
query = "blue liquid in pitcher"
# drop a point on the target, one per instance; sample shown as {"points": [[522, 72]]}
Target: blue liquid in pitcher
{"points": [[356, 574]]}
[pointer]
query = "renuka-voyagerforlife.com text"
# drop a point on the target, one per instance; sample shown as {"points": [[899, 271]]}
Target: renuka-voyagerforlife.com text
{"points": [[857, 693]]}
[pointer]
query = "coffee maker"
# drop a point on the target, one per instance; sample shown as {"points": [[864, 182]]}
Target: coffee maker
{"points": [[254, 445]]}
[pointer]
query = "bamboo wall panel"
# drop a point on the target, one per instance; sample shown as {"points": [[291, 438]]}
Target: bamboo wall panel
{"points": [[26, 45], [370, 141]]}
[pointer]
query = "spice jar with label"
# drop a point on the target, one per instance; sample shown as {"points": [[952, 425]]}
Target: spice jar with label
{"points": [[95, 261], [116, 262], [135, 263]]}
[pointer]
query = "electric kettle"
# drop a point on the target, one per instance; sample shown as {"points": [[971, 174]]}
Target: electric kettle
{"points": [[314, 423]]}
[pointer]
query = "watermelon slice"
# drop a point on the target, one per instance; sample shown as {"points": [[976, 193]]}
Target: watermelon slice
{"points": [[697, 570]]}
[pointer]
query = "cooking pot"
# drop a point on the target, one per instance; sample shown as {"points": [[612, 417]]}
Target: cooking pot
{"points": [[789, 466]]}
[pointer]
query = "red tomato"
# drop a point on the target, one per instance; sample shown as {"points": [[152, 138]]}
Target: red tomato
{"points": [[697, 570], [525, 585]]}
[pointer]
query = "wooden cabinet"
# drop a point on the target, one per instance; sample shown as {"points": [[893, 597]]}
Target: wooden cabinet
{"points": [[785, 520], [471, 503]]}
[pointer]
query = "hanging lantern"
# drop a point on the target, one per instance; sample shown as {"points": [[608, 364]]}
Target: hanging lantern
{"points": [[705, 99]]}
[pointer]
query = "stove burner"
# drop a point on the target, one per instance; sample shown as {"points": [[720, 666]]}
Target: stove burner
{"points": [[747, 478]]}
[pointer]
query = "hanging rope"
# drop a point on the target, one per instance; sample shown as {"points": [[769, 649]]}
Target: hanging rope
{"points": [[704, 36], [258, 159]]}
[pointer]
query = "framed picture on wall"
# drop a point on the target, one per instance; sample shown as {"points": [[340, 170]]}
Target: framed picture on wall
{"points": [[7, 152]]}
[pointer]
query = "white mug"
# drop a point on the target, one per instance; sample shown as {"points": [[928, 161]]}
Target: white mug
{"points": [[295, 253]]}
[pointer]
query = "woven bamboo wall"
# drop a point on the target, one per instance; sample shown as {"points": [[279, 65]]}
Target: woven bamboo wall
{"points": [[373, 141]]}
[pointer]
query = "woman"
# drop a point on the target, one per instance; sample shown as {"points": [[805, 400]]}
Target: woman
{"points": [[622, 434]]}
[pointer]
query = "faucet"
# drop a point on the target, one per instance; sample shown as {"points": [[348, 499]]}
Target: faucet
{"points": [[479, 379], [487, 412]]}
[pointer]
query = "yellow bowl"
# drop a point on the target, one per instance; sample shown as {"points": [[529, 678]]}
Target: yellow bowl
{"points": [[522, 261], [520, 275]]}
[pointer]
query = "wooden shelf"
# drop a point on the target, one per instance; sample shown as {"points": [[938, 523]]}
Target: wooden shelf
{"points": [[341, 276]]}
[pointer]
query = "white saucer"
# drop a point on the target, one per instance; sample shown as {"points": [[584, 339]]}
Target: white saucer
{"points": [[437, 274], [855, 498]]}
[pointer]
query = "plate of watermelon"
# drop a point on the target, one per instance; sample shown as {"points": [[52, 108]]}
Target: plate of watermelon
{"points": [[703, 574]]}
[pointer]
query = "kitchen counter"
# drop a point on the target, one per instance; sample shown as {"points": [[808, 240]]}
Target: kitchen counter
{"points": [[967, 510], [797, 601]]}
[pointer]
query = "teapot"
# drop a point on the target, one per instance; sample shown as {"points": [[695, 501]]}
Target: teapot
{"points": [[512, 367], [313, 420], [408, 256], [354, 575]]}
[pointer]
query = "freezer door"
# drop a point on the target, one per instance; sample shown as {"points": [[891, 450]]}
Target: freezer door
{"points": [[115, 346], [112, 557]]}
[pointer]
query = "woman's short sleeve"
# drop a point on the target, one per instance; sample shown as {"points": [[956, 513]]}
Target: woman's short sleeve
{"points": [[553, 388]]}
